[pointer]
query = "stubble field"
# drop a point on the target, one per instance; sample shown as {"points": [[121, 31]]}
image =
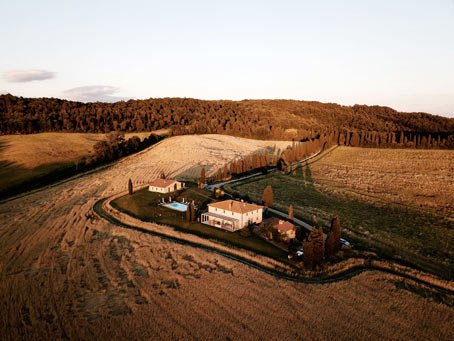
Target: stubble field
{"points": [[26, 157], [396, 201], [418, 178], [64, 273]]}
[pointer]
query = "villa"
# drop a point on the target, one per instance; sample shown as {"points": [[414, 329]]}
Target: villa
{"points": [[232, 215], [165, 186]]}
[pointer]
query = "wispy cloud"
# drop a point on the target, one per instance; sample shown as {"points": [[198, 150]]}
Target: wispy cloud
{"points": [[21, 76], [94, 93]]}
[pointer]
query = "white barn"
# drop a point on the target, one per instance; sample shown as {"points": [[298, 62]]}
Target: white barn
{"points": [[165, 186], [232, 215]]}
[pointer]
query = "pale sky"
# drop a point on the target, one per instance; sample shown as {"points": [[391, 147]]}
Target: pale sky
{"points": [[394, 53]]}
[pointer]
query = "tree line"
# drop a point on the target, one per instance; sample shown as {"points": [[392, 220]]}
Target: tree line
{"points": [[116, 146], [264, 160], [263, 119]]}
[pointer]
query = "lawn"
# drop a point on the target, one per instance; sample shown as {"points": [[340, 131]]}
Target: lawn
{"points": [[143, 205], [418, 237]]}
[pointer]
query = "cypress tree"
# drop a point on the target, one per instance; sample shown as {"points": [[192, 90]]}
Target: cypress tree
{"points": [[333, 244], [268, 196], [308, 257], [130, 188], [319, 245], [232, 167], [401, 139], [336, 228], [290, 212], [225, 173], [202, 177], [191, 209]]}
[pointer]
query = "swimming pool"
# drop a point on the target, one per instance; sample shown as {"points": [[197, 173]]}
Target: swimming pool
{"points": [[177, 206]]}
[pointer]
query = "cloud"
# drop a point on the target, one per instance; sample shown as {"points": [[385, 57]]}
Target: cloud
{"points": [[94, 93], [21, 76]]}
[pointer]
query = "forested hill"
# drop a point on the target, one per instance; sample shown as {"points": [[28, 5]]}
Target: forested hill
{"points": [[265, 119]]}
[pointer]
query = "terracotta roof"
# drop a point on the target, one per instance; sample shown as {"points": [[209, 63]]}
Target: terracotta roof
{"points": [[163, 183], [284, 226], [235, 206]]}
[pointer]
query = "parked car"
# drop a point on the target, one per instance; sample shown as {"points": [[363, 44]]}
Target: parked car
{"points": [[345, 242]]}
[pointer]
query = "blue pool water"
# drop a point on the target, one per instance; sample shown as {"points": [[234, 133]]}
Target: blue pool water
{"points": [[177, 206]]}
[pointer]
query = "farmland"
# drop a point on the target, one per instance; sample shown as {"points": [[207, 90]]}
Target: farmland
{"points": [[417, 178], [26, 158], [65, 273], [380, 207]]}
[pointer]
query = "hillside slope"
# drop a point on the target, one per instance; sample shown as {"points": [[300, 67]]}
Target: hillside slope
{"points": [[28, 161], [264, 119], [65, 274]]}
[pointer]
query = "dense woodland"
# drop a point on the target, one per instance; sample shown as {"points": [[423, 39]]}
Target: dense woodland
{"points": [[263, 119]]}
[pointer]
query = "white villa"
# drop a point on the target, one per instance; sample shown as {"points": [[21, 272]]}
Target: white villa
{"points": [[165, 186], [232, 215]]}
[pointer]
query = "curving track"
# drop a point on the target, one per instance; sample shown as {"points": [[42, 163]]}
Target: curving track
{"points": [[340, 276]]}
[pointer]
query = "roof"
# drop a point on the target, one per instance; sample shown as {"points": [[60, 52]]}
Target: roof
{"points": [[235, 206], [284, 226], [163, 183]]}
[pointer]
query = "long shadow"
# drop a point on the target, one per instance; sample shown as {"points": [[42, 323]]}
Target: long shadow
{"points": [[407, 234], [16, 179]]}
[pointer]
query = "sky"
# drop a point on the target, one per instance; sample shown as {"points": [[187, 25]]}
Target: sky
{"points": [[395, 53]]}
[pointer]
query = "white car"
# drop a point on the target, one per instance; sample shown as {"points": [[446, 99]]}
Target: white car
{"points": [[345, 242]]}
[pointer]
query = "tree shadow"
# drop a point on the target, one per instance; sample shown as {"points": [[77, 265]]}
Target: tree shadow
{"points": [[16, 179], [416, 236]]}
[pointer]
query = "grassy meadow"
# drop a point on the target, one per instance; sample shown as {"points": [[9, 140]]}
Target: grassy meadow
{"points": [[414, 234]]}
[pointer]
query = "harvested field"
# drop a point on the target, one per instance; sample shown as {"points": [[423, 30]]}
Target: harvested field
{"points": [[66, 274], [377, 201], [35, 150], [419, 178], [25, 157]]}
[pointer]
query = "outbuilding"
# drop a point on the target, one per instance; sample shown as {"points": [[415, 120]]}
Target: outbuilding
{"points": [[165, 186]]}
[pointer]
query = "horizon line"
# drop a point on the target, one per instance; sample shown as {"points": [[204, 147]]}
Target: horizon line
{"points": [[125, 100]]}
